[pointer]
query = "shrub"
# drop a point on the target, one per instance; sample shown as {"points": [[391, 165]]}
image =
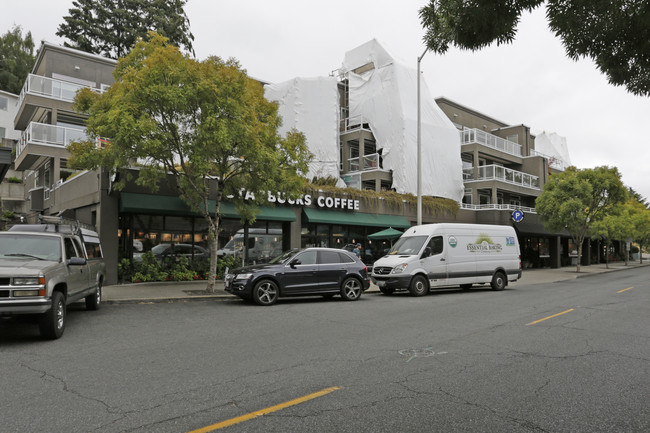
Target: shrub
{"points": [[230, 262]]}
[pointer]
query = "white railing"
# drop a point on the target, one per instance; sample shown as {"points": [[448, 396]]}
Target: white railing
{"points": [[51, 135], [468, 136], [51, 88], [553, 161], [509, 207], [364, 163], [468, 174], [354, 123], [514, 177]]}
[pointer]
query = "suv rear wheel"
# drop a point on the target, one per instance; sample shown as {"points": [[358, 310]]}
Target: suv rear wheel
{"points": [[52, 323], [351, 289]]}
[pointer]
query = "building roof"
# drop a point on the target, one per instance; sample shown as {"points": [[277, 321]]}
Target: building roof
{"points": [[48, 46]]}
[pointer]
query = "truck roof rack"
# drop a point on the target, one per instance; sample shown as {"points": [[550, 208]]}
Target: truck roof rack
{"points": [[57, 224]]}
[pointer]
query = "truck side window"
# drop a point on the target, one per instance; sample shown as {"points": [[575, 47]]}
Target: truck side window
{"points": [[436, 245], [70, 252]]}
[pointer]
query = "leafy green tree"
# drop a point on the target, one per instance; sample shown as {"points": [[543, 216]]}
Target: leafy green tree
{"points": [[616, 225], [641, 220], [16, 59], [112, 27], [613, 33], [576, 199], [205, 122]]}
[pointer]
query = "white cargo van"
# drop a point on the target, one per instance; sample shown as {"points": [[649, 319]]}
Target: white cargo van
{"points": [[444, 255]]}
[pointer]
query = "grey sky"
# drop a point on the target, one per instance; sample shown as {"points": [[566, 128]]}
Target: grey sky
{"points": [[530, 81]]}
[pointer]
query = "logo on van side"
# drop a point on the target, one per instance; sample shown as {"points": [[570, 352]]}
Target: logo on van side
{"points": [[452, 241], [484, 244]]}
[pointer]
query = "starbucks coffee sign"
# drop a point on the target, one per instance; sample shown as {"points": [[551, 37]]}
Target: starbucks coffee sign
{"points": [[321, 201]]}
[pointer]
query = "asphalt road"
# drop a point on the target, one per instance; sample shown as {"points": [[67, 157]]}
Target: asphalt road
{"points": [[563, 357]]}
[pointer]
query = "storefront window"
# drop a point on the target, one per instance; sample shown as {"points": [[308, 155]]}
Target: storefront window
{"points": [[264, 241]]}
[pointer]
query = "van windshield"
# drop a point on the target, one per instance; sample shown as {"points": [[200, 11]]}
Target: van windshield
{"points": [[408, 246]]}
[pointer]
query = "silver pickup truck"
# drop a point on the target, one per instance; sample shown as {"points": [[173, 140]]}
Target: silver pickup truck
{"points": [[45, 267]]}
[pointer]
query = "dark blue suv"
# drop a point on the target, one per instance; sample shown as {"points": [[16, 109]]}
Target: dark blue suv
{"points": [[301, 272]]}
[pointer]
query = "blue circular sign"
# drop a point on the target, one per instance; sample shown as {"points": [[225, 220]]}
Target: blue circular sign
{"points": [[518, 216]]}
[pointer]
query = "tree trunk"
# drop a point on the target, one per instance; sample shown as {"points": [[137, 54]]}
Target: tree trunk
{"points": [[579, 255], [640, 253], [607, 254]]}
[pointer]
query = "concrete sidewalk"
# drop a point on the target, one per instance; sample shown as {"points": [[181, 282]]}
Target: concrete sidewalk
{"points": [[194, 290]]}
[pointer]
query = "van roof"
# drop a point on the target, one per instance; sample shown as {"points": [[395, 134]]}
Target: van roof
{"points": [[428, 229]]}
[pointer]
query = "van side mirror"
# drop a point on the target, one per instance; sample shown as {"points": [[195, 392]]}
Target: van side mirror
{"points": [[426, 253]]}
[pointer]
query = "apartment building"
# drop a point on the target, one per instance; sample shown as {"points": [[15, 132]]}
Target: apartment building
{"points": [[363, 136], [11, 181]]}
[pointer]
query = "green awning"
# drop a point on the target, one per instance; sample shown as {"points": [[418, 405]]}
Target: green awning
{"points": [[169, 205], [355, 218]]}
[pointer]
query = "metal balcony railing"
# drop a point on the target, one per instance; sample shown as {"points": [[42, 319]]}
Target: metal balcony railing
{"points": [[508, 207], [469, 136], [364, 163], [514, 177], [51, 135], [51, 88], [553, 161], [354, 123]]}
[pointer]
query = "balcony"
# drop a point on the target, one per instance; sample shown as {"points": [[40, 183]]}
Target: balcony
{"points": [[50, 88], [354, 123], [508, 207], [553, 161], [364, 163], [470, 136], [503, 174], [40, 94], [40, 139]]}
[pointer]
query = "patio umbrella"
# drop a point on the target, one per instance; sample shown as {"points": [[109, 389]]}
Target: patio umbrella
{"points": [[389, 233]]}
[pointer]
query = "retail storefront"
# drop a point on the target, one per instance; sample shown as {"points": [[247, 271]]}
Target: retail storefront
{"points": [[147, 220]]}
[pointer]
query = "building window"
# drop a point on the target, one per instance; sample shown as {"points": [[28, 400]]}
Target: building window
{"points": [[484, 198], [467, 197], [514, 138], [2, 133], [515, 200], [369, 185], [4, 103]]}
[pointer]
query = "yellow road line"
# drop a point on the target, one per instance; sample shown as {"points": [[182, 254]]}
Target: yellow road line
{"points": [[621, 291], [268, 410], [549, 317]]}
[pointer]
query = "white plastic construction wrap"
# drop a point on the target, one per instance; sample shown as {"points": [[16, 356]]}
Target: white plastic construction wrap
{"points": [[385, 96], [555, 147], [311, 105]]}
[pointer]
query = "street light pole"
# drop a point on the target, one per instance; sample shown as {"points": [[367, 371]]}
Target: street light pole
{"points": [[419, 151]]}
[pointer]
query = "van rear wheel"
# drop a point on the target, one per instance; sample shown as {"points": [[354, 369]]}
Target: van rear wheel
{"points": [[419, 286], [498, 281]]}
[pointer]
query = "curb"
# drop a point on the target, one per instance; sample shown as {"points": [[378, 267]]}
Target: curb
{"points": [[168, 300]]}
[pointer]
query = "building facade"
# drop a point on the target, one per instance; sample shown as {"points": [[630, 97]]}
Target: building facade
{"points": [[491, 170]]}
